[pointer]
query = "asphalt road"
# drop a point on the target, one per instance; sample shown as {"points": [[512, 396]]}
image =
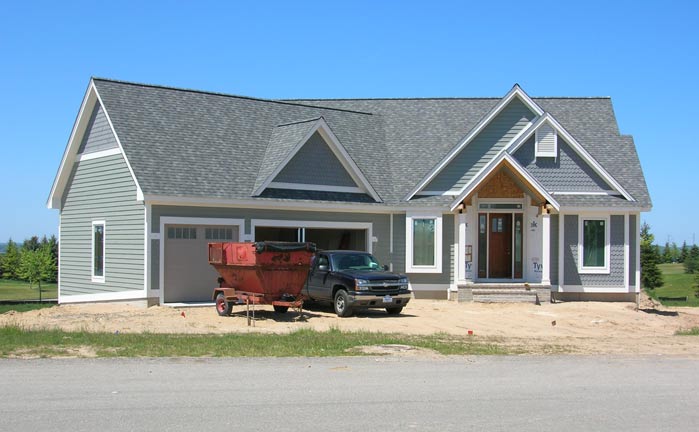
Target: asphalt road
{"points": [[564, 393]]}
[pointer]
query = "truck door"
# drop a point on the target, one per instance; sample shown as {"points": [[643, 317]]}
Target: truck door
{"points": [[318, 278]]}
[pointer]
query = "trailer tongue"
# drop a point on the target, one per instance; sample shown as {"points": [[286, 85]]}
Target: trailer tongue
{"points": [[260, 273]]}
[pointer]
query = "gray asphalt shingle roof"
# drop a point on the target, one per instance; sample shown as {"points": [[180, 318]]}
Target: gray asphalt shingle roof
{"points": [[196, 144]]}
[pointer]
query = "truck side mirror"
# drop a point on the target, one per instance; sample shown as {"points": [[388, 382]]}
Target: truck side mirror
{"points": [[385, 267], [323, 267]]}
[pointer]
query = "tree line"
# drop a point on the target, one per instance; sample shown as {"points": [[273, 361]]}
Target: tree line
{"points": [[34, 261], [651, 277]]}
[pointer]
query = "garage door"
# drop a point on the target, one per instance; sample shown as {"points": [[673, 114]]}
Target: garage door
{"points": [[188, 275]]}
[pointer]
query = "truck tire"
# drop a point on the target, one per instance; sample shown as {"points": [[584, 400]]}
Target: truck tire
{"points": [[223, 308], [394, 310], [341, 304], [281, 309]]}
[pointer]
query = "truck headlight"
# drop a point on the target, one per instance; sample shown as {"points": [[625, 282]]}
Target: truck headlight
{"points": [[403, 280], [361, 284]]}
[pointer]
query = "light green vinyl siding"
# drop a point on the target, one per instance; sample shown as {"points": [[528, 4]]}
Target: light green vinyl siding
{"points": [[101, 189], [483, 148]]}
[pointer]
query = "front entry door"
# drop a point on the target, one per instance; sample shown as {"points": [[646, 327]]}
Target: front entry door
{"points": [[500, 239]]}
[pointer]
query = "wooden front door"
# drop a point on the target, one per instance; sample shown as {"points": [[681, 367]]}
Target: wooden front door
{"points": [[500, 239]]}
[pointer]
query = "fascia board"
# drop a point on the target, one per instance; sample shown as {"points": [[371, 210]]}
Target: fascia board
{"points": [[71, 150], [516, 91]]}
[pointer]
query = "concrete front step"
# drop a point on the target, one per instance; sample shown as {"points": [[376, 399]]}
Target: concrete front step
{"points": [[504, 293]]}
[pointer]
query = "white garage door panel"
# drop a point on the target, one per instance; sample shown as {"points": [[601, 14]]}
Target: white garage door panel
{"points": [[188, 275]]}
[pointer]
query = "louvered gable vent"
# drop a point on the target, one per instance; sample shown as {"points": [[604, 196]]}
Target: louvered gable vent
{"points": [[546, 141]]}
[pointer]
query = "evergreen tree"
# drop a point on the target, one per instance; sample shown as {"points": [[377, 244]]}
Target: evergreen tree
{"points": [[10, 262], [667, 253], [651, 277], [31, 243], [691, 263], [683, 252], [2, 256], [675, 252]]}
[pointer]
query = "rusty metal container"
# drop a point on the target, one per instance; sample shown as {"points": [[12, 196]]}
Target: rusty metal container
{"points": [[262, 272]]}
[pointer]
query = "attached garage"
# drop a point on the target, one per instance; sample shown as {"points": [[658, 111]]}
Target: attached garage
{"points": [[187, 275]]}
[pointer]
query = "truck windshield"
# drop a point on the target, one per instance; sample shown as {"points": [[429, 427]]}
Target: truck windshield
{"points": [[355, 262]]}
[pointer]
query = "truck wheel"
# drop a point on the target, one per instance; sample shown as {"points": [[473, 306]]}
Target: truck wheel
{"points": [[281, 309], [394, 310], [222, 306], [341, 303]]}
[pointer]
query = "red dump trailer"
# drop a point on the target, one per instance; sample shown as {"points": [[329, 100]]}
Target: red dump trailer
{"points": [[260, 273]]}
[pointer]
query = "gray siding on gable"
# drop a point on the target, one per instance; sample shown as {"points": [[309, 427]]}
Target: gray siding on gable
{"points": [[315, 164], [101, 189], [483, 148], [566, 173], [553, 272], [98, 135], [633, 232], [570, 242]]}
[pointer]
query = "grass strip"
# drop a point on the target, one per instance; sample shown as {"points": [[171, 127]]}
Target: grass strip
{"points": [[694, 331], [16, 341]]}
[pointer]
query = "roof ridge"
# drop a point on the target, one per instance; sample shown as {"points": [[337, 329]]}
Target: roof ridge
{"points": [[442, 98], [308, 120], [189, 90]]}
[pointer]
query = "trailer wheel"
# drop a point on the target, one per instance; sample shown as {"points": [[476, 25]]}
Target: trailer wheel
{"points": [[341, 303], [281, 309], [394, 310], [222, 306]]}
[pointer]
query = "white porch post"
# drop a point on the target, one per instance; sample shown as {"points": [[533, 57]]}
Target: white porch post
{"points": [[461, 249], [546, 247]]}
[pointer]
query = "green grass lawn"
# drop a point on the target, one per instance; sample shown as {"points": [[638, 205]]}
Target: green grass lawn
{"points": [[677, 284], [16, 341], [19, 290]]}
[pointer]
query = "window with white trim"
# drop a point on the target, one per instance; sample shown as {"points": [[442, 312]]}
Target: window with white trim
{"points": [[593, 245], [423, 244], [98, 248]]}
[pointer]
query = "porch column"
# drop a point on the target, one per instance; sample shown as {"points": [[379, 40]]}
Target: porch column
{"points": [[461, 248], [545, 247]]}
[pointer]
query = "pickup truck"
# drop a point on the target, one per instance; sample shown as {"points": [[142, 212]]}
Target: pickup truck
{"points": [[353, 279]]}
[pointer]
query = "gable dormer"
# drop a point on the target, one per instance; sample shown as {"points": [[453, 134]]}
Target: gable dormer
{"points": [[307, 156]]}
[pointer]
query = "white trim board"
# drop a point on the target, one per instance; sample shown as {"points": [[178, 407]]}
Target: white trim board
{"points": [[105, 296], [100, 154], [516, 91], [314, 187]]}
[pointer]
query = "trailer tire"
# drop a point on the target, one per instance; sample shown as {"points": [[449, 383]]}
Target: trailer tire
{"points": [[223, 308], [341, 304], [281, 309]]}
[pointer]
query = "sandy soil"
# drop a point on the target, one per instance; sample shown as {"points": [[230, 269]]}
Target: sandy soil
{"points": [[575, 327]]}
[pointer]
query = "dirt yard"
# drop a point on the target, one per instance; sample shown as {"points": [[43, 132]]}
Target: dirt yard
{"points": [[575, 327]]}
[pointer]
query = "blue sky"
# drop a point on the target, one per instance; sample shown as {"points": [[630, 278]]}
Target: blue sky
{"points": [[642, 54]]}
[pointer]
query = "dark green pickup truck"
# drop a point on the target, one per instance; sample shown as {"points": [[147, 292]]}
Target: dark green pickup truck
{"points": [[352, 279]]}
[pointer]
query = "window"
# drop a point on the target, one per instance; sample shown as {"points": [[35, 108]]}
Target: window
{"points": [[594, 245], [98, 251], [187, 233], [424, 244], [218, 233]]}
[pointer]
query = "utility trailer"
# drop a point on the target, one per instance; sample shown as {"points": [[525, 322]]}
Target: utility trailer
{"points": [[260, 273]]}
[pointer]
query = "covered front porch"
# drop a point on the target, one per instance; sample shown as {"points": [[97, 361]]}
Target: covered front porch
{"points": [[504, 237]]}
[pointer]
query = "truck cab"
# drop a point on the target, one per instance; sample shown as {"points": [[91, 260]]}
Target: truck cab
{"points": [[353, 279]]}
